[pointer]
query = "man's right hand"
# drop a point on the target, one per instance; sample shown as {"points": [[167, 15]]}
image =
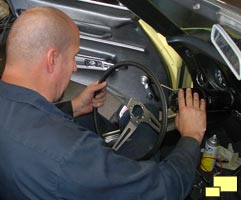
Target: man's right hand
{"points": [[191, 117], [87, 100]]}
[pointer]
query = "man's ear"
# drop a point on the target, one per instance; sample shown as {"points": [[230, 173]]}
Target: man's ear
{"points": [[52, 57]]}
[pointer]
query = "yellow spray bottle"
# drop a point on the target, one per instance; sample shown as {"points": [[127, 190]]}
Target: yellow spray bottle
{"points": [[210, 154]]}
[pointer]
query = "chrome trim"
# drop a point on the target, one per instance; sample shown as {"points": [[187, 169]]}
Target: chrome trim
{"points": [[127, 46], [105, 4]]}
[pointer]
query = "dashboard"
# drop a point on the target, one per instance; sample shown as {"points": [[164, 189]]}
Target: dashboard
{"points": [[219, 85]]}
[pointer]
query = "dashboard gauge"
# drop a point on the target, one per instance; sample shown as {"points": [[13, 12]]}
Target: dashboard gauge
{"points": [[201, 79], [220, 79]]}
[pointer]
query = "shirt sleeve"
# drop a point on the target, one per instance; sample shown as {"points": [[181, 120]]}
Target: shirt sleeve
{"points": [[66, 107], [184, 160], [94, 171]]}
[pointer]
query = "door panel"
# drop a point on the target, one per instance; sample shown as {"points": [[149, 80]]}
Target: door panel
{"points": [[108, 34]]}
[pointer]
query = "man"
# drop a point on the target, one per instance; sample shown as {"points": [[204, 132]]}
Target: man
{"points": [[46, 155]]}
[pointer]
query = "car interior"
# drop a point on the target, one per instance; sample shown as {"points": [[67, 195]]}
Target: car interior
{"points": [[146, 55]]}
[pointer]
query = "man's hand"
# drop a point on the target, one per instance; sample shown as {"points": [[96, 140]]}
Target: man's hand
{"points": [[86, 101], [191, 117]]}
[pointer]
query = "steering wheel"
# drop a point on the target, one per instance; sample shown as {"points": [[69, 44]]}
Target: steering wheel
{"points": [[145, 116]]}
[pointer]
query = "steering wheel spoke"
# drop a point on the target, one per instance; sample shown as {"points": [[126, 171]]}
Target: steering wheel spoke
{"points": [[138, 114], [125, 135]]}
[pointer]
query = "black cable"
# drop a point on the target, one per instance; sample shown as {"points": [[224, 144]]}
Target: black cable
{"points": [[157, 145]]}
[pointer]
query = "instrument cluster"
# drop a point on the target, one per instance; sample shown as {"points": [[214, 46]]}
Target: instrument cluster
{"points": [[211, 77]]}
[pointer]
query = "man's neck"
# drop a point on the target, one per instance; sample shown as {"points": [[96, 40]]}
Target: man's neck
{"points": [[27, 80]]}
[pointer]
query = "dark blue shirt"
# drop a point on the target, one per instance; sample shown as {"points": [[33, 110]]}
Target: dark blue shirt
{"points": [[45, 155]]}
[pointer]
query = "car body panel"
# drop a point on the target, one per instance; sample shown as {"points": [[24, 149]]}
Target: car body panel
{"points": [[168, 54]]}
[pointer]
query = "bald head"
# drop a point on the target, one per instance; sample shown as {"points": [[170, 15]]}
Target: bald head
{"points": [[37, 30]]}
